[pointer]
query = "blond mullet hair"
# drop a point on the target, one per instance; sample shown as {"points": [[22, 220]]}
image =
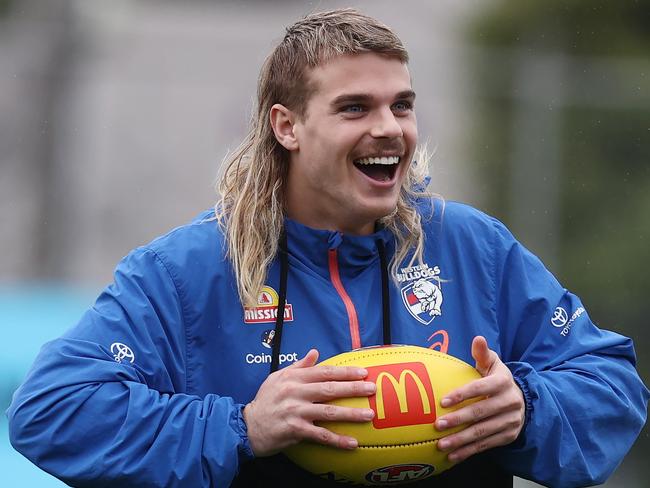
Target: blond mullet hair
{"points": [[250, 209]]}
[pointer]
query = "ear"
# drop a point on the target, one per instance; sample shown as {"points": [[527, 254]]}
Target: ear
{"points": [[282, 121]]}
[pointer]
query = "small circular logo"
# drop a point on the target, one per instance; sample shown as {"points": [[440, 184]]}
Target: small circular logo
{"points": [[122, 351], [560, 317]]}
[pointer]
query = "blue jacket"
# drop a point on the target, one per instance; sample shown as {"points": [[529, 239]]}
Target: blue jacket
{"points": [[147, 389]]}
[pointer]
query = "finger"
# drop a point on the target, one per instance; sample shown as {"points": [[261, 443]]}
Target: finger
{"points": [[475, 432], [329, 438], [307, 361], [330, 390], [335, 413], [496, 440], [485, 358], [323, 373], [487, 386], [470, 413]]}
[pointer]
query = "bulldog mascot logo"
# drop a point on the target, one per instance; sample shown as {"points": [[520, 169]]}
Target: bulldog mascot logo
{"points": [[422, 294], [429, 295]]}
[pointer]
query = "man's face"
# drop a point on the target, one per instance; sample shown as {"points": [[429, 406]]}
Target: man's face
{"points": [[354, 144]]}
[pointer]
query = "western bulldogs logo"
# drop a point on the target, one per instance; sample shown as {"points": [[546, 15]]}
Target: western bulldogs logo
{"points": [[422, 296]]}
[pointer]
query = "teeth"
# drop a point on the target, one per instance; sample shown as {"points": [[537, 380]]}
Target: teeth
{"points": [[382, 160]]}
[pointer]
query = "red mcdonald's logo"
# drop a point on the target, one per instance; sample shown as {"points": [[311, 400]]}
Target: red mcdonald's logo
{"points": [[404, 395]]}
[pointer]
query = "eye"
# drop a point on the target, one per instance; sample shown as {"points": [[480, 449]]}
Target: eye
{"points": [[353, 109], [402, 106]]}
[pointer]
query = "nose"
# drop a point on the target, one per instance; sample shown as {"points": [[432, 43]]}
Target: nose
{"points": [[385, 124]]}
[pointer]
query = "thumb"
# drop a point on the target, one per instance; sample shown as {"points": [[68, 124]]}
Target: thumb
{"points": [[483, 356], [309, 360]]}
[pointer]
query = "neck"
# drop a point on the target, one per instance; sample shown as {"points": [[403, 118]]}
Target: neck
{"points": [[322, 221]]}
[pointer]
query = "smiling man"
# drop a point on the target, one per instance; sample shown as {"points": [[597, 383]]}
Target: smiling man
{"points": [[351, 150], [324, 240]]}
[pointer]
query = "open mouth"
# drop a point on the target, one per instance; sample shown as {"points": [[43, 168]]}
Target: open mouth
{"points": [[381, 168]]}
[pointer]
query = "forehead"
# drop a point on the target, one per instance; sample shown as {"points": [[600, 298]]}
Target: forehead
{"points": [[367, 73]]}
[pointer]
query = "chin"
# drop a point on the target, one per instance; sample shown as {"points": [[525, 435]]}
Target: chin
{"points": [[380, 211]]}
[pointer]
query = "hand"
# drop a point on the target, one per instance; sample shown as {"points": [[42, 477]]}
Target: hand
{"points": [[495, 420], [288, 402]]}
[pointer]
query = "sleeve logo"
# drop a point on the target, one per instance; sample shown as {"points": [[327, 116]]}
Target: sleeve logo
{"points": [[560, 317], [121, 352], [561, 320]]}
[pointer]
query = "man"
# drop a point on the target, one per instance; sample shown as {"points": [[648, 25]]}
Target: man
{"points": [[165, 381]]}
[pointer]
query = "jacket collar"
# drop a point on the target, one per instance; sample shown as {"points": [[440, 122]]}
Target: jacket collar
{"points": [[311, 247]]}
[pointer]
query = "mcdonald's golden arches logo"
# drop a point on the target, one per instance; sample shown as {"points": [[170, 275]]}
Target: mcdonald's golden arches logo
{"points": [[404, 395]]}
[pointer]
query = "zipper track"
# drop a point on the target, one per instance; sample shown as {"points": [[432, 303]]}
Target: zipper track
{"points": [[347, 301]]}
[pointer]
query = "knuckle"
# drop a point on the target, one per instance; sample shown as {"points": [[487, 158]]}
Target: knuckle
{"points": [[513, 396], [324, 436], [481, 446], [328, 372], [513, 423], [285, 390], [477, 411], [294, 424], [478, 432], [329, 412], [474, 389], [329, 388], [358, 388], [512, 402], [291, 409]]}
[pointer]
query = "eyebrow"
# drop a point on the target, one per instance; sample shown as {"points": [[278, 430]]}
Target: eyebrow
{"points": [[364, 97]]}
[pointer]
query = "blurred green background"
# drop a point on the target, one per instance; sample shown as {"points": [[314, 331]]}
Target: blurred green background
{"points": [[114, 117], [561, 141]]}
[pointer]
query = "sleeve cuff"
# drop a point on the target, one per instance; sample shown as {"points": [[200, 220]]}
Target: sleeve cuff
{"points": [[245, 451], [519, 372]]}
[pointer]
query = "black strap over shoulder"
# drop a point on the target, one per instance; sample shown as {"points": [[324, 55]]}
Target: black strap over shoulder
{"points": [[385, 288], [279, 319]]}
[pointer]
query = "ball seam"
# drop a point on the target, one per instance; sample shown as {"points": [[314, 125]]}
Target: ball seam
{"points": [[388, 446], [392, 353]]}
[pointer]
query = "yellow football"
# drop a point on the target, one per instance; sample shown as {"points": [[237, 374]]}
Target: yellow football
{"points": [[399, 444]]}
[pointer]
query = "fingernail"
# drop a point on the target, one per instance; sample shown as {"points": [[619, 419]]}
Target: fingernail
{"points": [[368, 414], [453, 457], [370, 387], [445, 402], [442, 424], [352, 444], [443, 444], [362, 372]]}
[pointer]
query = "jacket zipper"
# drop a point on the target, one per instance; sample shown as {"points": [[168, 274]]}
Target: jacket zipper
{"points": [[349, 306]]}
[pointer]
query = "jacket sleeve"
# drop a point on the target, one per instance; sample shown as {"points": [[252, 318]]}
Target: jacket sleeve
{"points": [[585, 402], [105, 405]]}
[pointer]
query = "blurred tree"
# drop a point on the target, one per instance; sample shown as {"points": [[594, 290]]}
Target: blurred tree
{"points": [[562, 110], [4, 7], [604, 108], [578, 27]]}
